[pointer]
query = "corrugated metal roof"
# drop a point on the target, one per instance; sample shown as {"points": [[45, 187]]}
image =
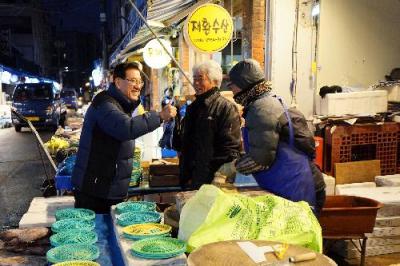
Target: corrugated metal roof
{"points": [[161, 10]]}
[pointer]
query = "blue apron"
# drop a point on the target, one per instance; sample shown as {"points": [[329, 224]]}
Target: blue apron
{"points": [[290, 174]]}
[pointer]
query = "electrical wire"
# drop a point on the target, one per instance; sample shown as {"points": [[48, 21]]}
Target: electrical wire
{"points": [[293, 83], [315, 55]]}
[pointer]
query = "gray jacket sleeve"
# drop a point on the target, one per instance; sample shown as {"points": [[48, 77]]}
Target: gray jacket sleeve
{"points": [[263, 130], [123, 127]]}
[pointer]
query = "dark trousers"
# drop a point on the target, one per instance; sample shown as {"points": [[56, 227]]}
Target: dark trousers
{"points": [[98, 205], [320, 197]]}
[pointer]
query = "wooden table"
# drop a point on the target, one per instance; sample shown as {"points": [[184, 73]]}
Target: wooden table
{"points": [[229, 253]]}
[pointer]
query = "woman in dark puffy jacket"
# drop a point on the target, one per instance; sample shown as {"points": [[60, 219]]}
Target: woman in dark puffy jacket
{"points": [[266, 137]]}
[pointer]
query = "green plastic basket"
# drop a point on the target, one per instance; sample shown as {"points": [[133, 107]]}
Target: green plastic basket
{"points": [[77, 263], [74, 236], [69, 224], [129, 206], [136, 238], [158, 248], [141, 231], [72, 252], [129, 218], [75, 213]]}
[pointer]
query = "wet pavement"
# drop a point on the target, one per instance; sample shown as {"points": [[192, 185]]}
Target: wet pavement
{"points": [[21, 173]]}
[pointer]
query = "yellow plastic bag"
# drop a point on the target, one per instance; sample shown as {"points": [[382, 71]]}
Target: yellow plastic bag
{"points": [[212, 215]]}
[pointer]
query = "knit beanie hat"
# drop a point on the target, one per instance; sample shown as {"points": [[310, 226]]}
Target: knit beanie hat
{"points": [[246, 74]]}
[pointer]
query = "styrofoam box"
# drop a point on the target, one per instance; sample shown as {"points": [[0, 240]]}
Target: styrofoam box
{"points": [[393, 93], [330, 184], [386, 195], [388, 180], [343, 187], [364, 102]]}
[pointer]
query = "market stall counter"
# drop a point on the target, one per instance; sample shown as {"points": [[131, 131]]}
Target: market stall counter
{"points": [[244, 253]]}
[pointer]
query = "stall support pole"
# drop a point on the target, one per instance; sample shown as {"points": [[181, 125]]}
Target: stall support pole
{"points": [[158, 39]]}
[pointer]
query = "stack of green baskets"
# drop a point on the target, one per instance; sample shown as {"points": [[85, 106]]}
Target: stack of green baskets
{"points": [[129, 218], [74, 236], [75, 213], [136, 169], [72, 252], [135, 206], [158, 248], [142, 231], [77, 263], [69, 224]]}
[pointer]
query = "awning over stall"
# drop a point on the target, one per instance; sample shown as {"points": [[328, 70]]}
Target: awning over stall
{"points": [[136, 23], [161, 15]]}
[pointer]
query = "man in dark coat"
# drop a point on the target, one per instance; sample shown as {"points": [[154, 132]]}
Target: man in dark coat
{"points": [[104, 160], [210, 134]]}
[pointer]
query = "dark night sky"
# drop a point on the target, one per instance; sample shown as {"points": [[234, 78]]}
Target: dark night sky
{"points": [[74, 15]]}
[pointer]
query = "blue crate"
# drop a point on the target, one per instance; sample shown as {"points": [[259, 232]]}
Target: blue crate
{"points": [[63, 182], [167, 153]]}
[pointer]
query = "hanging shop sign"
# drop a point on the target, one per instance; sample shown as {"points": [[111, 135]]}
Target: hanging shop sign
{"points": [[209, 28], [154, 54], [5, 77]]}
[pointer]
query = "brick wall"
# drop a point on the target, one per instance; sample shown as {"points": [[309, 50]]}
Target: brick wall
{"points": [[254, 29], [184, 60], [154, 95]]}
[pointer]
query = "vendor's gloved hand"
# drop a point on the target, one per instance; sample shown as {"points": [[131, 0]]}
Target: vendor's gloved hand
{"points": [[246, 165]]}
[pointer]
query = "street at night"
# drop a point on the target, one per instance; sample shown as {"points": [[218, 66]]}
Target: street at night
{"points": [[199, 132]]}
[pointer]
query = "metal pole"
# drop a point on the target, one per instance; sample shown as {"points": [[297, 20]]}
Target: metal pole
{"points": [[268, 39], [60, 73], [1, 87], [103, 20], [158, 39], [231, 7], [39, 139]]}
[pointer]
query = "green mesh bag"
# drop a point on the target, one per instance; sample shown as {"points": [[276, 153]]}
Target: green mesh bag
{"points": [[72, 252], [68, 224], [77, 263], [158, 248], [75, 213], [129, 218], [129, 206], [74, 236]]}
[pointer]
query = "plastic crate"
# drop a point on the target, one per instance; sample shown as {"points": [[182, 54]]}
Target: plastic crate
{"points": [[319, 151], [345, 143], [63, 182], [398, 152]]}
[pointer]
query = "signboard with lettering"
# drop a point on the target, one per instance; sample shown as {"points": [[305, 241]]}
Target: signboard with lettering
{"points": [[209, 28], [154, 54]]}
